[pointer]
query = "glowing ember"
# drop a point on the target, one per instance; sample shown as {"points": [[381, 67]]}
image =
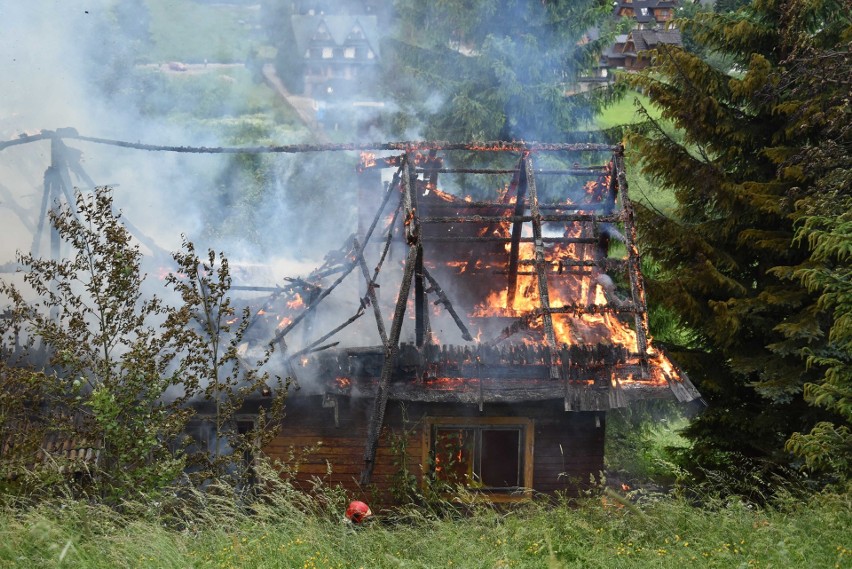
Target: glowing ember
{"points": [[296, 303], [445, 382], [343, 382]]}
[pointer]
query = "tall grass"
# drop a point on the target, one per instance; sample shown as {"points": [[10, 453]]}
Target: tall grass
{"points": [[285, 528]]}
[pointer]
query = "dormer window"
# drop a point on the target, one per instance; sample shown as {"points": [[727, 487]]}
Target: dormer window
{"points": [[327, 52], [349, 53]]}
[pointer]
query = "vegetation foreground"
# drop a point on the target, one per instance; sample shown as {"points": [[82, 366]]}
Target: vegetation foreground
{"points": [[289, 530]]}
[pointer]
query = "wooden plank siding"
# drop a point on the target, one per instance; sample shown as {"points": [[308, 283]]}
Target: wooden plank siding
{"points": [[311, 443]]}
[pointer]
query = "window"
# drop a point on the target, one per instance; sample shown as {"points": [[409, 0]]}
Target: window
{"points": [[327, 52], [488, 454], [349, 52], [643, 11]]}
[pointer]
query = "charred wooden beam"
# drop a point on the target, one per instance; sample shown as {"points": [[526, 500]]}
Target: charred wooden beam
{"points": [[590, 171], [310, 347], [273, 289], [605, 264], [443, 299], [612, 188], [543, 293], [420, 314], [47, 197], [520, 183], [636, 285], [415, 250], [560, 274], [466, 205], [519, 219], [411, 146], [391, 354], [371, 293], [463, 239]]}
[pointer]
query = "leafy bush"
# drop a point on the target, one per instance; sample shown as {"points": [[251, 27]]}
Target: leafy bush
{"points": [[94, 364]]}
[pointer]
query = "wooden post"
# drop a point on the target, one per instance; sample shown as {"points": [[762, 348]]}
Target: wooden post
{"points": [[412, 235]]}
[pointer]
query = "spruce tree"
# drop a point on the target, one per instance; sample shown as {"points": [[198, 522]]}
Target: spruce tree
{"points": [[819, 79], [731, 254]]}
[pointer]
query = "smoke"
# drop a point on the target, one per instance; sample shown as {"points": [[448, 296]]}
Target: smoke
{"points": [[98, 66]]}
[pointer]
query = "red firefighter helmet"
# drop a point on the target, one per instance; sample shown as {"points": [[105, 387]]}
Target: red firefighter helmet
{"points": [[358, 511]]}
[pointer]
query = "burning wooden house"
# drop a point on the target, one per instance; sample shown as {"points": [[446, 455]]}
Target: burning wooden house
{"points": [[508, 317], [505, 328]]}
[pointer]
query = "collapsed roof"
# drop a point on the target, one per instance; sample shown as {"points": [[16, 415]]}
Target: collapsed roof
{"points": [[538, 298]]}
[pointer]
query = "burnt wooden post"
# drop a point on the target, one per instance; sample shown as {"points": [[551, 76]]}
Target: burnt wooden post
{"points": [[520, 182], [415, 249], [410, 179], [637, 290]]}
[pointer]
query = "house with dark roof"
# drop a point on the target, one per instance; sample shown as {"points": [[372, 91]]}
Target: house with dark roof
{"points": [[632, 52], [653, 27], [340, 52], [647, 13]]}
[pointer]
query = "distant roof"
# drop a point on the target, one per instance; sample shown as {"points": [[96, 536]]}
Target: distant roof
{"points": [[637, 6], [650, 39], [339, 27]]}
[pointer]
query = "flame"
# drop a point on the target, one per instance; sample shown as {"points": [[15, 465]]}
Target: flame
{"points": [[296, 303], [368, 160]]}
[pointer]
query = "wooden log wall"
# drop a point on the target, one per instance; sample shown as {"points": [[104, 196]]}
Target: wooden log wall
{"points": [[568, 447]]}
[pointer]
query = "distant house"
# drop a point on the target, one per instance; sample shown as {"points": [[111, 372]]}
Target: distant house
{"points": [[337, 7], [654, 26], [630, 51], [647, 13], [340, 52]]}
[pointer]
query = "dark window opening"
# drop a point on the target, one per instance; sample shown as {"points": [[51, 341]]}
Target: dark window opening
{"points": [[482, 457]]}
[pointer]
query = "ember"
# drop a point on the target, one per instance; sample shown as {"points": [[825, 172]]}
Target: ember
{"points": [[343, 382]]}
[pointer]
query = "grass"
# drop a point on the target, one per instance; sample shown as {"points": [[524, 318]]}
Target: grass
{"points": [[228, 100], [608, 532], [625, 111], [188, 31]]}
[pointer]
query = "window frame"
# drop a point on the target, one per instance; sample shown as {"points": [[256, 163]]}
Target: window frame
{"points": [[525, 425]]}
